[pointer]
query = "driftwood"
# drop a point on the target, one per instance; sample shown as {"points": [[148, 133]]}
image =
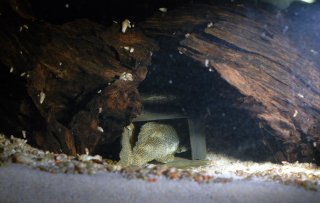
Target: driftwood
{"points": [[75, 75], [71, 89], [251, 50]]}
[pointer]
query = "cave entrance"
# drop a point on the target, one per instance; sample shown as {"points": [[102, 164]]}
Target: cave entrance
{"points": [[195, 92], [189, 130]]}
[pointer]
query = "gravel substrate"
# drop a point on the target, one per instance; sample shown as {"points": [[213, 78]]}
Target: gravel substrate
{"points": [[32, 175]]}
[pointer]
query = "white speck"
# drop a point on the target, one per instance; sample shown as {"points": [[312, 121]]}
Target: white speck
{"points": [[170, 82], [314, 52], [100, 129], [42, 97], [115, 22], [60, 63], [67, 5], [99, 91], [210, 24], [187, 35], [25, 26], [21, 52], [109, 83], [285, 29], [210, 69], [22, 74], [314, 144], [126, 76], [300, 95], [21, 28], [100, 109], [295, 113], [125, 24], [132, 25], [206, 63], [0, 14], [86, 151], [151, 53], [180, 52], [131, 50], [28, 75], [163, 9], [126, 48], [24, 134], [11, 69]]}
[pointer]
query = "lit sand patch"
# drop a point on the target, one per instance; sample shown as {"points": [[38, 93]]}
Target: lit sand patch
{"points": [[217, 168], [304, 174]]}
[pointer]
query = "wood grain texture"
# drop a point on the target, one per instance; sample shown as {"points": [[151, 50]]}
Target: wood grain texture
{"points": [[77, 65], [251, 51]]}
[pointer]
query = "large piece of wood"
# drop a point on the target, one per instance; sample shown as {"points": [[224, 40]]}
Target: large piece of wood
{"points": [[250, 49], [84, 71], [77, 94]]}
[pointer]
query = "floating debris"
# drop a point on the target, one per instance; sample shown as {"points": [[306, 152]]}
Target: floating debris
{"points": [[99, 91], [209, 25], [300, 95], [11, 69], [126, 76], [42, 97], [23, 74], [115, 22], [285, 29], [130, 49], [67, 5], [163, 9], [24, 134], [100, 129], [86, 150], [100, 110], [125, 24], [295, 113], [314, 52], [24, 26], [187, 35], [206, 62], [60, 63]]}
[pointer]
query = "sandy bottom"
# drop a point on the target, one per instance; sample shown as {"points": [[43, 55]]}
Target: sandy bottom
{"points": [[19, 183]]}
